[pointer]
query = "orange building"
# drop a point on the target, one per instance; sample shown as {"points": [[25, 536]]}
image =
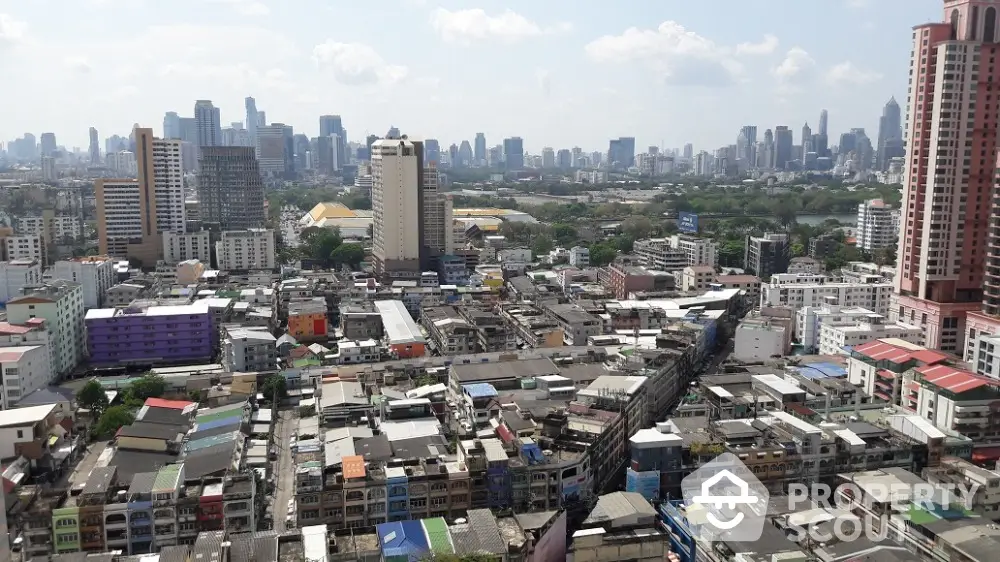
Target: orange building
{"points": [[307, 320], [402, 334]]}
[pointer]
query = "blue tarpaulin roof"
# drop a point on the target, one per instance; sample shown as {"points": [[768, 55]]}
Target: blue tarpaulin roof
{"points": [[403, 539], [821, 370], [480, 390]]}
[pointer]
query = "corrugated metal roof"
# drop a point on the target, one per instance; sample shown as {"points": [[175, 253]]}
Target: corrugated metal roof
{"points": [[354, 467], [142, 483], [438, 536]]}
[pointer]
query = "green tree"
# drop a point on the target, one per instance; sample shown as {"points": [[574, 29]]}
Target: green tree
{"points": [[542, 245], [350, 255], [637, 227], [602, 253], [798, 250], [564, 234], [114, 418], [93, 398], [146, 386], [274, 383]]}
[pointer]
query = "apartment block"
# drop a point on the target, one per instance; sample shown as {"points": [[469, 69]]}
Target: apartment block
{"points": [[95, 274], [802, 290], [17, 274], [837, 339], [24, 369], [246, 250], [60, 304], [249, 350], [699, 251], [183, 246], [878, 225], [27, 247], [766, 255], [53, 227], [659, 254], [150, 335]]}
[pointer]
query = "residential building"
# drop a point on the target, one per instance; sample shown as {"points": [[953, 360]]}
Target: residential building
{"points": [[132, 214], [451, 333], [150, 335], [699, 251], [810, 319], [823, 246], [96, 274], [180, 247], [621, 526], [799, 290], [577, 325], [397, 189], [208, 124], [25, 369], [945, 227], [357, 351], [878, 225], [579, 256], [60, 304], [761, 339], [230, 189], [533, 326], [270, 151], [837, 339], [247, 250], [953, 399], [749, 284], [766, 255], [247, 350], [307, 320], [624, 280], [26, 247], [697, 278], [805, 264], [52, 227], [877, 367], [189, 272], [659, 254], [16, 274], [402, 335]]}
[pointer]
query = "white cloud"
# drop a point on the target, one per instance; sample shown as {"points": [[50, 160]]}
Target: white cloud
{"points": [[765, 47], [12, 31], [247, 7], [463, 26], [796, 63], [78, 64], [846, 73], [683, 56], [356, 63], [857, 4]]}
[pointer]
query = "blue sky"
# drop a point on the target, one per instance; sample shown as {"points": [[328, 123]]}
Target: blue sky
{"points": [[558, 73]]}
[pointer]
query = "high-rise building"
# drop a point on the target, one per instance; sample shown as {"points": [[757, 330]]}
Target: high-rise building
{"points": [[548, 157], [437, 232], [564, 159], [131, 214], [878, 225], [890, 136], [621, 153], [513, 151], [432, 151], [48, 144], [172, 125], [453, 155], [689, 151], [301, 152], [270, 151], [465, 154], [823, 116], [765, 157], [333, 125], [822, 139], [782, 147], [251, 107], [397, 185], [95, 148], [326, 158], [746, 145], [948, 182], [230, 189], [807, 141], [480, 150], [208, 124]]}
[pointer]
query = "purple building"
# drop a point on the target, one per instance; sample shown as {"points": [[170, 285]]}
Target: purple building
{"points": [[155, 334]]}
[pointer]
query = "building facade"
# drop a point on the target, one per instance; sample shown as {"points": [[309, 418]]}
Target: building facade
{"points": [[250, 249], [230, 189], [181, 247], [60, 304], [96, 274]]}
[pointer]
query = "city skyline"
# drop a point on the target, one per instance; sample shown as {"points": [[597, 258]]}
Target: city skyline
{"points": [[532, 66]]}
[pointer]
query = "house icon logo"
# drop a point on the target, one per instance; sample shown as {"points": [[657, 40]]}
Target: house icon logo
{"points": [[725, 501]]}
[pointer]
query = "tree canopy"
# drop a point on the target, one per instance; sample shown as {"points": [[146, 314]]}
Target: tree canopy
{"points": [[93, 397], [146, 386], [274, 383], [348, 254], [114, 418]]}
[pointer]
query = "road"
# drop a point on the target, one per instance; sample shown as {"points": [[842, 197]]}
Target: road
{"points": [[82, 471], [284, 471]]}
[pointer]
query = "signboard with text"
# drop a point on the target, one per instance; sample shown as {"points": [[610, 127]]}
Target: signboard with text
{"points": [[687, 222]]}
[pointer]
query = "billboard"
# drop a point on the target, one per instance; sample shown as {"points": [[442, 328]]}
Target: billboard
{"points": [[687, 222], [646, 483]]}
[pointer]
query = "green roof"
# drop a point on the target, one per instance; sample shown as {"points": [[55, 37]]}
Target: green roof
{"points": [[438, 536], [166, 478]]}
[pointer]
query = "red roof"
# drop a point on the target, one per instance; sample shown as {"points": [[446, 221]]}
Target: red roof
{"points": [[171, 404], [6, 328], [953, 380], [880, 350]]}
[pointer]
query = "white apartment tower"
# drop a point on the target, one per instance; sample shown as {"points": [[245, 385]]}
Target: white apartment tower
{"points": [[95, 274], [168, 177], [878, 225], [396, 202], [246, 250]]}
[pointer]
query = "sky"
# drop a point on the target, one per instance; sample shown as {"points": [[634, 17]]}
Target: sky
{"points": [[557, 73]]}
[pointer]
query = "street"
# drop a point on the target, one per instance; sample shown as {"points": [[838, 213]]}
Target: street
{"points": [[284, 472]]}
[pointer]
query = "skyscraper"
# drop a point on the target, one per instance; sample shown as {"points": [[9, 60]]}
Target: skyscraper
{"points": [[513, 151], [230, 189], [621, 152], [132, 214], [548, 157], [252, 117], [397, 184], [480, 150], [807, 141], [465, 154], [95, 147], [950, 167], [688, 151], [765, 159], [822, 138], [564, 159], [208, 124], [782, 147], [333, 125], [270, 150], [171, 125], [890, 135], [823, 116], [746, 145], [432, 151], [48, 144]]}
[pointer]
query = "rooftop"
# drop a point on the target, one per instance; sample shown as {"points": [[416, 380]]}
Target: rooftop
{"points": [[399, 325], [25, 416]]}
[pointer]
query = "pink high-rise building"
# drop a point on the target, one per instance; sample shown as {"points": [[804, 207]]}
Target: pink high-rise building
{"points": [[951, 134]]}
